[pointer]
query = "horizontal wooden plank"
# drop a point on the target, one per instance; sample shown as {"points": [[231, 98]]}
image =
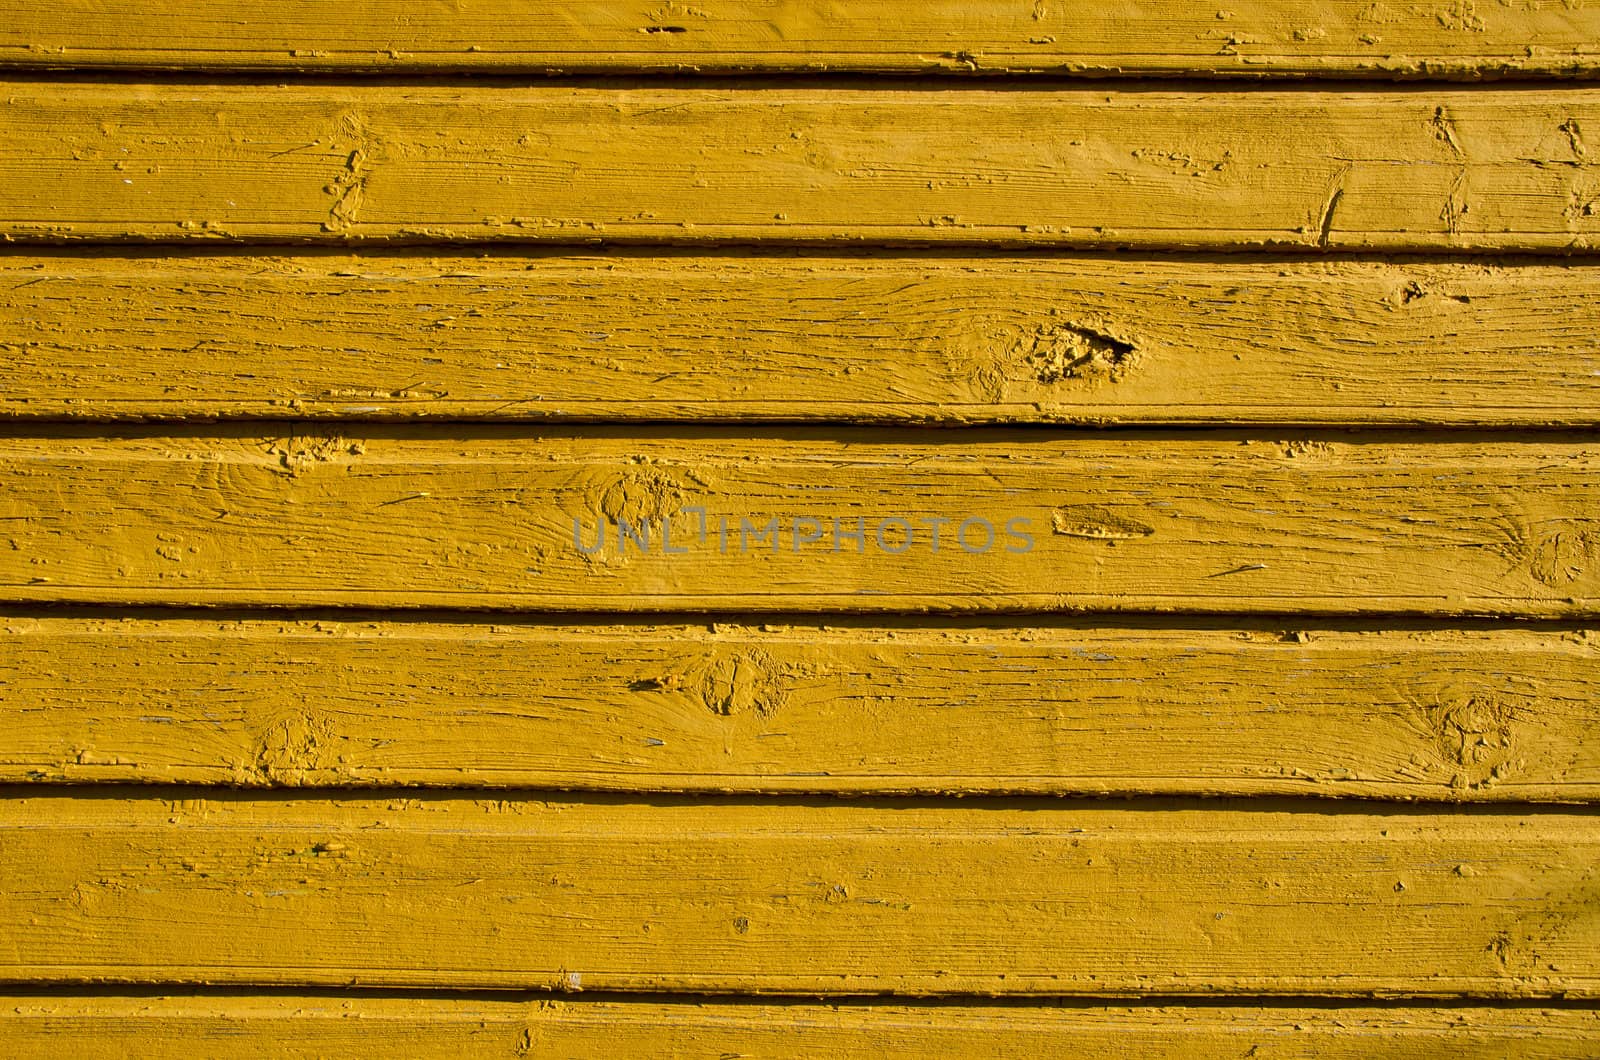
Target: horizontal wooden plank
{"points": [[821, 338], [838, 520], [1440, 169], [1053, 707], [358, 1028], [1254, 38], [816, 898]]}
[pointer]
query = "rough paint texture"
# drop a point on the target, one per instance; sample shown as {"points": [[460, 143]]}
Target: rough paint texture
{"points": [[799, 897], [325, 163], [326, 779], [1494, 714], [499, 518], [1254, 38], [891, 338]]}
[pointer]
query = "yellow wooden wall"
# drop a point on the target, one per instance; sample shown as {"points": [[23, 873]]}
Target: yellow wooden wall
{"points": [[331, 332]]}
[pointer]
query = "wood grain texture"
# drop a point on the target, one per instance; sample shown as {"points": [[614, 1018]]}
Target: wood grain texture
{"points": [[1050, 707], [805, 897], [821, 338], [1444, 38], [327, 1027], [837, 520], [1438, 169]]}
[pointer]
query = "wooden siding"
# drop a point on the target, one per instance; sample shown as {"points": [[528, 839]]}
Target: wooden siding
{"points": [[798, 897], [822, 337], [356, 1028], [324, 329], [1442, 169], [825, 520], [1252, 38], [1489, 714]]}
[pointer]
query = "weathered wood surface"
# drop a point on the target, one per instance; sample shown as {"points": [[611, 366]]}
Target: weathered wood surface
{"points": [[1045, 707], [327, 1027], [1445, 38], [1444, 169], [814, 898], [824, 338], [837, 520]]}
